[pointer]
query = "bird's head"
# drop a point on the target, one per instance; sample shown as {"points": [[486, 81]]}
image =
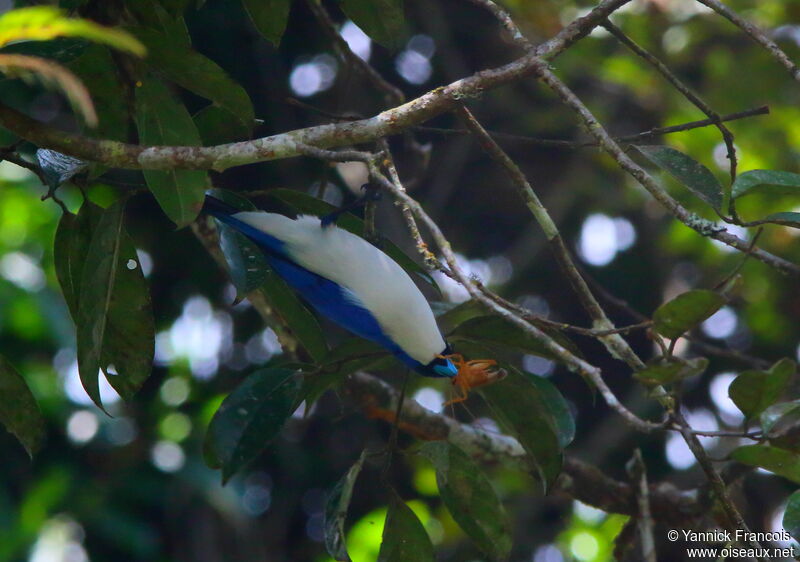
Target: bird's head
{"points": [[441, 366]]}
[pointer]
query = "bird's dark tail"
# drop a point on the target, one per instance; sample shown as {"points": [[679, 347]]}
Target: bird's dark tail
{"points": [[218, 208]]}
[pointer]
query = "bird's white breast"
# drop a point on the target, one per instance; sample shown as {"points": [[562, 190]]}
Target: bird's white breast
{"points": [[379, 283]]}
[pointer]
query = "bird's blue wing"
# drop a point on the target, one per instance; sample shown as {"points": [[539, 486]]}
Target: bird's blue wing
{"points": [[336, 303]]}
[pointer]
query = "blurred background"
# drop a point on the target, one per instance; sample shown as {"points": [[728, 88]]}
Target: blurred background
{"points": [[133, 486]]}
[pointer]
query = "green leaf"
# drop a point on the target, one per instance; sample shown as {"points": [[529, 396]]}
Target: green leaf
{"points": [[791, 517], [657, 372], [250, 417], [304, 204], [162, 120], [42, 23], [382, 20], [755, 391], [19, 412], [115, 319], [152, 14], [449, 315], [470, 498], [696, 177], [336, 508], [404, 537], [767, 182], [786, 219], [269, 17], [497, 331], [219, 126], [250, 271], [779, 461], [98, 71], [193, 71], [557, 406], [686, 311], [520, 406], [350, 356], [71, 246], [777, 412]]}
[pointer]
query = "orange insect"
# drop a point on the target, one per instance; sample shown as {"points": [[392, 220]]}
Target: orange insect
{"points": [[472, 374]]}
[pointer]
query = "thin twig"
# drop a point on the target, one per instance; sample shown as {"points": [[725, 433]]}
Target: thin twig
{"points": [[637, 138], [734, 518], [687, 92], [644, 521], [392, 94], [756, 34], [568, 358], [701, 226], [614, 342]]}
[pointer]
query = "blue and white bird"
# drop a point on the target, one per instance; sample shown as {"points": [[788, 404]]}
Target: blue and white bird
{"points": [[349, 281]]}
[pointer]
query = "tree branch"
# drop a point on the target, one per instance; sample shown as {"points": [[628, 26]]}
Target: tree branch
{"points": [[613, 341], [579, 480], [286, 145]]}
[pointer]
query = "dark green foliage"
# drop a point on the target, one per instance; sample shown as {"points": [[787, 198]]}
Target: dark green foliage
{"points": [[690, 173], [755, 391], [114, 319], [404, 537], [382, 20], [521, 406], [19, 412], [163, 120], [191, 70], [249, 418], [686, 311], [336, 508], [269, 17], [660, 372], [470, 498]]}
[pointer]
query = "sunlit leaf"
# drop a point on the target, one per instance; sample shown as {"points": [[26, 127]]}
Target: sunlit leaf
{"points": [[19, 412], [250, 417], [382, 20], [302, 203], [336, 508], [666, 372], [686, 311], [41, 23], [162, 120], [520, 405], [404, 537], [791, 517], [781, 462], [470, 498], [269, 17], [755, 391], [767, 182], [52, 75], [197, 73], [115, 319], [692, 174]]}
